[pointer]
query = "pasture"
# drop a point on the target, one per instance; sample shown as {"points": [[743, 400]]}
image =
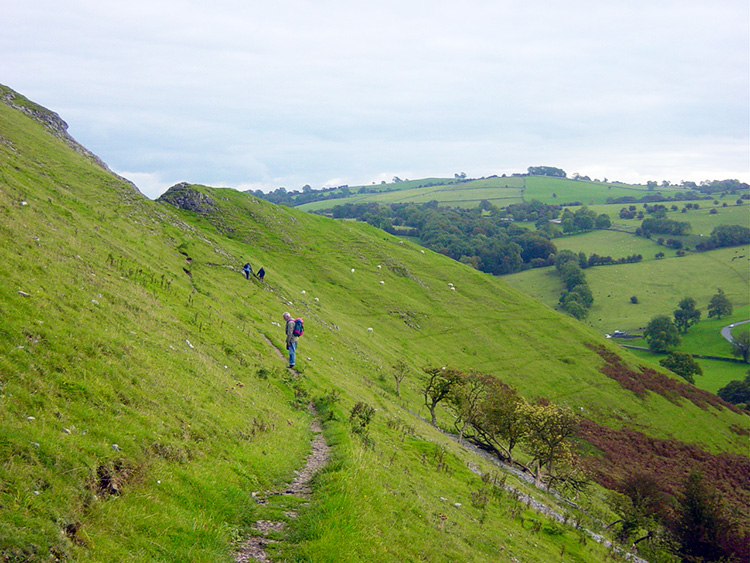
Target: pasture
{"points": [[716, 373], [659, 286], [563, 190], [467, 194], [616, 244], [701, 220], [498, 190]]}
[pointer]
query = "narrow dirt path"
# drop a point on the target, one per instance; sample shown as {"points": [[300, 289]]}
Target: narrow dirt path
{"points": [[253, 549]]}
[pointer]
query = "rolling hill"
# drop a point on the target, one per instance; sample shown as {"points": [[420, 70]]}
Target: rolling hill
{"points": [[500, 191], [146, 413]]}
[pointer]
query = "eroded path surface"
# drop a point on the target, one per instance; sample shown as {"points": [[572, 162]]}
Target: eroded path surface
{"points": [[253, 549]]}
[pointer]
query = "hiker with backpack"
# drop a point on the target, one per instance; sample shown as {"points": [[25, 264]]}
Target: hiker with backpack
{"points": [[294, 329], [248, 270]]}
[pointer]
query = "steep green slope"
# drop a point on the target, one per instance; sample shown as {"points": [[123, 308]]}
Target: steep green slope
{"points": [[119, 376], [142, 401]]}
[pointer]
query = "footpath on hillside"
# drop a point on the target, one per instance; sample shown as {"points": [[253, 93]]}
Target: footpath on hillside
{"points": [[253, 548]]}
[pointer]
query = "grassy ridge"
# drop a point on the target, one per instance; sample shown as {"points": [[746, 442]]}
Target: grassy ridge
{"points": [[141, 403]]}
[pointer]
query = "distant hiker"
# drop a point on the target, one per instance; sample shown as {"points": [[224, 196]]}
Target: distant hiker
{"points": [[261, 273], [248, 270], [293, 332]]}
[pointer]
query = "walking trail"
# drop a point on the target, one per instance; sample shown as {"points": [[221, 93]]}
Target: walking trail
{"points": [[253, 548]]}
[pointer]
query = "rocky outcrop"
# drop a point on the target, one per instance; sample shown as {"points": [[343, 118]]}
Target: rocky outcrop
{"points": [[185, 196], [49, 119]]}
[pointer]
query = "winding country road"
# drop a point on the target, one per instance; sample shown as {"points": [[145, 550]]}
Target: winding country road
{"points": [[726, 332]]}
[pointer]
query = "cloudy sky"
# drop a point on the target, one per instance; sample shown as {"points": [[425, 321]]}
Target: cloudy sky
{"points": [[250, 94]]}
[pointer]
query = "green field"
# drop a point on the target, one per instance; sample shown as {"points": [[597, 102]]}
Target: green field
{"points": [[468, 194], [659, 286], [500, 191], [701, 220], [705, 338], [562, 190], [611, 243], [515, 189]]}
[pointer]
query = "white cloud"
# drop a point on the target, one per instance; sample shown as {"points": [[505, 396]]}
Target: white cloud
{"points": [[293, 93]]}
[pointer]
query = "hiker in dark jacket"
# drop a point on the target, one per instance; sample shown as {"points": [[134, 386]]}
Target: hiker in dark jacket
{"points": [[261, 274]]}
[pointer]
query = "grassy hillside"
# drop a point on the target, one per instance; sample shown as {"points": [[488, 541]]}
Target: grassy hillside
{"points": [[145, 409]]}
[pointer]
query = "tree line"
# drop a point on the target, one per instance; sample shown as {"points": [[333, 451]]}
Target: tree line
{"points": [[485, 237], [497, 418]]}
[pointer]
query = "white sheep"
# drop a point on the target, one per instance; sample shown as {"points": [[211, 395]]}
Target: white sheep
{"points": [[382, 282], [352, 270], [369, 329], [303, 292]]}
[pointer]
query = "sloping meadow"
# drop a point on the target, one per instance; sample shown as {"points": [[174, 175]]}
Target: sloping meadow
{"points": [[144, 403]]}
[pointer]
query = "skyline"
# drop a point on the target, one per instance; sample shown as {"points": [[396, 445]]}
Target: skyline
{"points": [[255, 96]]}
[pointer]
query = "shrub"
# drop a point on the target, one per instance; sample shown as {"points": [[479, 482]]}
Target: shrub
{"points": [[359, 418]]}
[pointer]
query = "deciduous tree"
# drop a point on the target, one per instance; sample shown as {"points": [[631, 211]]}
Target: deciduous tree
{"points": [[500, 423], [400, 371], [466, 398], [438, 385], [736, 392], [641, 506], [720, 305], [701, 527], [661, 334], [686, 315], [550, 429], [682, 364], [741, 346]]}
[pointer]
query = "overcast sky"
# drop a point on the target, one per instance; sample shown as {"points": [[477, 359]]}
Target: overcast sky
{"points": [[250, 94]]}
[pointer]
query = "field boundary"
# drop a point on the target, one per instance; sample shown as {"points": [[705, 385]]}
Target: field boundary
{"points": [[699, 356]]}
